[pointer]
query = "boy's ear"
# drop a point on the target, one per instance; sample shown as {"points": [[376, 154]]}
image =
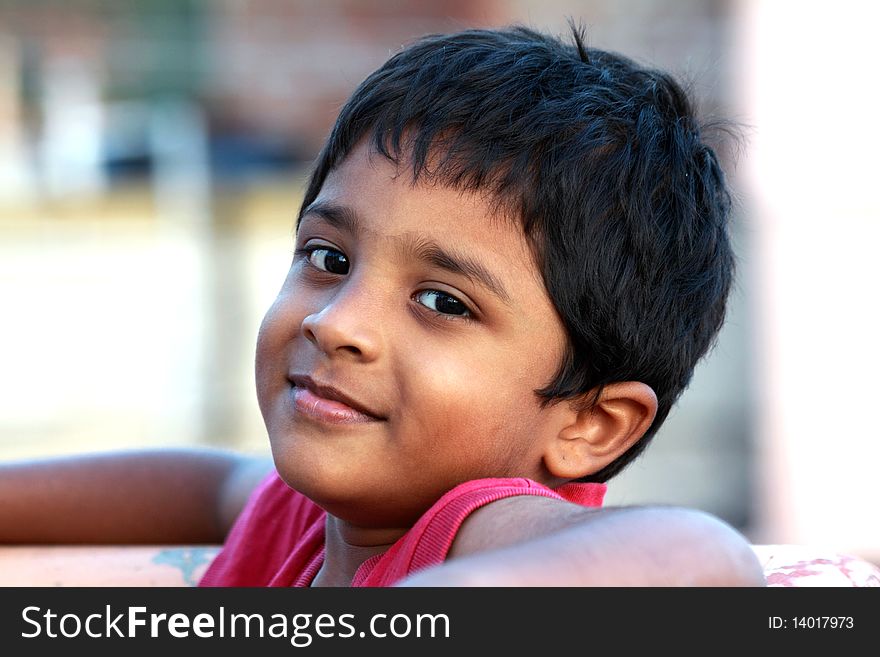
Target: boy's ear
{"points": [[593, 437]]}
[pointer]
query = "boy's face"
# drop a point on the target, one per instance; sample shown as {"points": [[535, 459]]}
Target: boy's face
{"points": [[427, 315]]}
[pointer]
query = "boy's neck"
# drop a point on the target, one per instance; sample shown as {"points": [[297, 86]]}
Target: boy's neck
{"points": [[347, 547]]}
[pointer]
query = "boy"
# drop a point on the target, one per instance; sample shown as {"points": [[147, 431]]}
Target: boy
{"points": [[509, 259]]}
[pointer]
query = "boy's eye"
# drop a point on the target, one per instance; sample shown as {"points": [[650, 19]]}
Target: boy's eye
{"points": [[442, 303], [329, 260]]}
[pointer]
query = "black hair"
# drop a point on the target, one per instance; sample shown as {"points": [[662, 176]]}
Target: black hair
{"points": [[600, 160]]}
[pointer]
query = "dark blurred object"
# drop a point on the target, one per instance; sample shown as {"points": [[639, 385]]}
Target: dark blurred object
{"points": [[277, 71]]}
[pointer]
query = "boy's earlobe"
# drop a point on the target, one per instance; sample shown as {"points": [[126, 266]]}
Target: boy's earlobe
{"points": [[596, 436]]}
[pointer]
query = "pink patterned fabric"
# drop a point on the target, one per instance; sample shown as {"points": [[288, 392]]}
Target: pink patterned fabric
{"points": [[799, 565]]}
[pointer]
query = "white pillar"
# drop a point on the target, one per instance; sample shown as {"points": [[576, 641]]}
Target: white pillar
{"points": [[810, 93]]}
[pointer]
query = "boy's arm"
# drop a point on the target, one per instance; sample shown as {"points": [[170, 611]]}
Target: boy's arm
{"points": [[168, 496], [534, 541]]}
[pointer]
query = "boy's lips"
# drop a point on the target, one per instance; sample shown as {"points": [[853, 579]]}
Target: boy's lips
{"points": [[329, 404]]}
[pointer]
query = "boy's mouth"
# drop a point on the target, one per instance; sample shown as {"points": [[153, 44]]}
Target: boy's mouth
{"points": [[328, 404]]}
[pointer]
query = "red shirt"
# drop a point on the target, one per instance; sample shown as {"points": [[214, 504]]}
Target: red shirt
{"points": [[278, 540]]}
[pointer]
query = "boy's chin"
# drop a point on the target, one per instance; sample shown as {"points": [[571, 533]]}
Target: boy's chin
{"points": [[359, 502]]}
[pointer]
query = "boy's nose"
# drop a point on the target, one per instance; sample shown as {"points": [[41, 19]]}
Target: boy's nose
{"points": [[347, 325]]}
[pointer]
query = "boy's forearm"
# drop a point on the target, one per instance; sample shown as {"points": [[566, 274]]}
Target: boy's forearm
{"points": [[138, 497], [611, 547]]}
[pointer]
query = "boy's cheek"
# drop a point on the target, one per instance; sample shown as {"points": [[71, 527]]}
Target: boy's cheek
{"points": [[456, 398], [280, 324], [272, 354], [266, 339]]}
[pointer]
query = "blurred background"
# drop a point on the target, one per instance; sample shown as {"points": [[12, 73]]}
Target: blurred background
{"points": [[152, 157]]}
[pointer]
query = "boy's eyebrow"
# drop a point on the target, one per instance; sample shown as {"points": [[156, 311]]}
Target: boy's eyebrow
{"points": [[338, 216], [344, 218], [459, 263]]}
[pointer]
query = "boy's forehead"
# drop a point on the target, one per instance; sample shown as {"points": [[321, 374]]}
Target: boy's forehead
{"points": [[368, 182]]}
